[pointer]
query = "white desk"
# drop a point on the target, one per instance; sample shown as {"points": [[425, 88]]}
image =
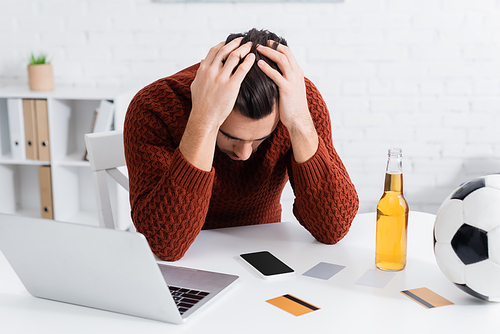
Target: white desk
{"points": [[345, 306]]}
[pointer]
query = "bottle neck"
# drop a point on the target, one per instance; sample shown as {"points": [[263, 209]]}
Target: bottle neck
{"points": [[395, 161], [394, 171], [394, 183]]}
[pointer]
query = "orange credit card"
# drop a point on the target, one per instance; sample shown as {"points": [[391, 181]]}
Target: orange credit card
{"points": [[426, 298], [292, 305]]}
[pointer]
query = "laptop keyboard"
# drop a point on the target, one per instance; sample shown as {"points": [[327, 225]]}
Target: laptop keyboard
{"points": [[186, 298]]}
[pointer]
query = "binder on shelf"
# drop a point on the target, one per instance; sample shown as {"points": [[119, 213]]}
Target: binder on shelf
{"points": [[42, 125], [104, 116], [30, 129], [103, 119], [4, 129], [16, 126], [45, 181]]}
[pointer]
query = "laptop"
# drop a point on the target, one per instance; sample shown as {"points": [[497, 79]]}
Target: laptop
{"points": [[104, 269]]}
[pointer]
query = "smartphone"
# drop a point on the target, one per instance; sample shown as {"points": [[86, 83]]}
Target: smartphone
{"points": [[266, 264]]}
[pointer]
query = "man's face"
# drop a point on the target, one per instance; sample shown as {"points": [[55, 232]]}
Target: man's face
{"points": [[240, 136]]}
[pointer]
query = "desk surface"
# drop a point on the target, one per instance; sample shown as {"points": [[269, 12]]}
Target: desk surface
{"points": [[345, 306]]}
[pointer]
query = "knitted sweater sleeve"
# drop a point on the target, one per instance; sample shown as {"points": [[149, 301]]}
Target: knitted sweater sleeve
{"points": [[326, 201], [169, 197]]}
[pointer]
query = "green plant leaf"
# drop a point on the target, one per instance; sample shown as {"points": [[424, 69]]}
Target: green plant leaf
{"points": [[40, 59]]}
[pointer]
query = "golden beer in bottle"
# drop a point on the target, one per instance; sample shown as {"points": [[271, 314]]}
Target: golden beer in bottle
{"points": [[392, 217]]}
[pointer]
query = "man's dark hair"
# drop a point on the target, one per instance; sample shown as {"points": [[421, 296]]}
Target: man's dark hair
{"points": [[258, 93]]}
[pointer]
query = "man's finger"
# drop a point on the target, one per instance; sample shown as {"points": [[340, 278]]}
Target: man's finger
{"points": [[279, 58], [281, 48], [212, 53], [234, 57], [225, 50], [243, 69], [270, 72]]}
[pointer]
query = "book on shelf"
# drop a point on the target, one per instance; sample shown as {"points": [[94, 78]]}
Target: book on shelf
{"points": [[103, 119], [42, 130], [45, 184], [30, 129], [35, 128], [16, 127]]}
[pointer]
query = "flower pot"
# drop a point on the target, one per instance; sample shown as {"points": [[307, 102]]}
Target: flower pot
{"points": [[40, 77]]}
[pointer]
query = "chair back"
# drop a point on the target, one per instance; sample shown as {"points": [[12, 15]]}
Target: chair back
{"points": [[105, 152]]}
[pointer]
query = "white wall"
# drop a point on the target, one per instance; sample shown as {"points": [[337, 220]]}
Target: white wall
{"points": [[423, 75]]}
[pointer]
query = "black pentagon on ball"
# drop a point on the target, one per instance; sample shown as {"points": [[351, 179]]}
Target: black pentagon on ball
{"points": [[471, 292], [465, 189], [470, 244]]}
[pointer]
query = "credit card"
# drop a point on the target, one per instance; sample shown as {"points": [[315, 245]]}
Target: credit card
{"points": [[426, 298], [292, 305]]}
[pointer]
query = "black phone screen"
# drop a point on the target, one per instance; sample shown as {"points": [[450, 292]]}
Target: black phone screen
{"points": [[266, 263]]}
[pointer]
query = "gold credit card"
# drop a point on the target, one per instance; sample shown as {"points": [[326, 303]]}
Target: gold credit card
{"points": [[292, 305], [426, 298]]}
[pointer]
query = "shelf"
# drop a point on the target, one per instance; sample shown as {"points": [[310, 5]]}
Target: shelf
{"points": [[70, 115], [73, 160], [61, 93], [20, 192], [7, 160], [27, 212]]}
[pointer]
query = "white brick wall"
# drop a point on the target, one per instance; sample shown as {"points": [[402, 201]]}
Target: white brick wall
{"points": [[420, 74]]}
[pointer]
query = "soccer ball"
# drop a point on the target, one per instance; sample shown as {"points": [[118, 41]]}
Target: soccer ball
{"points": [[467, 237]]}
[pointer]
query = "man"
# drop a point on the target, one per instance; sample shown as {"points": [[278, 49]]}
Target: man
{"points": [[214, 145]]}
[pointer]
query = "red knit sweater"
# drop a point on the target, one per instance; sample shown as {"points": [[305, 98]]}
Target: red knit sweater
{"points": [[172, 200]]}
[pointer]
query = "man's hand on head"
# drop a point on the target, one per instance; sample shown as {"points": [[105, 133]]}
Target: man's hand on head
{"points": [[215, 87], [213, 94], [293, 108], [292, 103]]}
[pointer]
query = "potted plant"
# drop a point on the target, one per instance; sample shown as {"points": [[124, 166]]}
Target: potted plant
{"points": [[40, 76]]}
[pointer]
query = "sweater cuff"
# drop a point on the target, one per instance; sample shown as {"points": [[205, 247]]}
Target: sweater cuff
{"points": [[187, 176], [310, 173]]}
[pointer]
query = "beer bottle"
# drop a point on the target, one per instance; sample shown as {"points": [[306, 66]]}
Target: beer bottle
{"points": [[392, 217]]}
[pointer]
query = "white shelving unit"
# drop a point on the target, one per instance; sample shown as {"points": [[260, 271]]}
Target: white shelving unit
{"points": [[70, 115]]}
